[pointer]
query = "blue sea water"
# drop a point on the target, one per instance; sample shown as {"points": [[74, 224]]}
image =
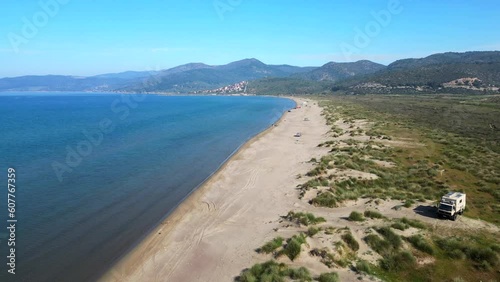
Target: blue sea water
{"points": [[96, 172]]}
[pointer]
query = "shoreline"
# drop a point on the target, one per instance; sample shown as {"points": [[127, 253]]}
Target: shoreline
{"points": [[195, 205], [178, 211]]}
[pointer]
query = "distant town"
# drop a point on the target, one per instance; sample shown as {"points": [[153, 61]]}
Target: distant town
{"points": [[239, 87]]}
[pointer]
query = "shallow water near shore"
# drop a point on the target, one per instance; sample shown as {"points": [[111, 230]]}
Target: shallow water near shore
{"points": [[95, 172]]}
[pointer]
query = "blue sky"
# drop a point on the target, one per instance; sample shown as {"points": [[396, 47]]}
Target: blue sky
{"points": [[88, 37]]}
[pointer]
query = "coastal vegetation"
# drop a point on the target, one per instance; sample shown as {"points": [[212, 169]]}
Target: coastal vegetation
{"points": [[293, 246], [303, 218], [405, 223], [421, 244], [350, 241], [275, 272], [356, 216], [436, 151], [373, 214], [410, 151], [271, 246]]}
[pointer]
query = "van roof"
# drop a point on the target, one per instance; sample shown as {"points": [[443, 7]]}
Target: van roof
{"points": [[454, 195]]}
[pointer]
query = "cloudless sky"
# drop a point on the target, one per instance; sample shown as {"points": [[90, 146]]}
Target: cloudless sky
{"points": [[89, 37]]}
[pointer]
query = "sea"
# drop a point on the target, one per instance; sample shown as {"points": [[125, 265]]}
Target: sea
{"points": [[96, 172]]}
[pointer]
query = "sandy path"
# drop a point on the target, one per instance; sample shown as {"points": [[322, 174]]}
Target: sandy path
{"points": [[212, 235]]}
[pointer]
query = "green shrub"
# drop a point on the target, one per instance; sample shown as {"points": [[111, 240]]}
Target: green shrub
{"points": [[312, 231], [495, 248], [247, 276], [378, 244], [326, 257], [356, 216], [389, 235], [314, 172], [408, 203], [292, 249], [456, 254], [329, 277], [480, 254], [350, 241], [373, 214], [456, 248], [324, 182], [329, 230], [304, 218], [300, 274], [268, 271], [325, 199], [448, 244], [484, 265], [420, 243], [272, 245], [399, 225], [363, 266], [413, 223], [311, 183], [293, 246], [397, 261], [272, 271]]}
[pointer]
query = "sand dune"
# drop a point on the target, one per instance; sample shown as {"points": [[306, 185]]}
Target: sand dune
{"points": [[213, 234]]}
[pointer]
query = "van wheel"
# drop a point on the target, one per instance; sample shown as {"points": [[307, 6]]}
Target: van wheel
{"points": [[454, 217]]}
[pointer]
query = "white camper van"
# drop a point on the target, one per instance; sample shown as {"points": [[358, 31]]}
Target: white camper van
{"points": [[451, 205]]}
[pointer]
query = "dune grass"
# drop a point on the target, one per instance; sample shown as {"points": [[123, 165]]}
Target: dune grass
{"points": [[364, 266], [405, 223], [421, 244], [355, 216], [303, 218], [453, 148], [483, 256], [390, 236], [373, 214], [350, 241], [397, 261], [311, 231], [378, 244], [274, 272], [271, 246], [325, 199], [329, 277], [293, 246], [399, 225]]}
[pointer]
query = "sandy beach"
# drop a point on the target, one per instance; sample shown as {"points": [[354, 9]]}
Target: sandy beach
{"points": [[213, 234]]}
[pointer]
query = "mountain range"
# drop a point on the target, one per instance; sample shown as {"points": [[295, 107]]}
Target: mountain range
{"points": [[439, 72], [455, 72], [184, 78], [468, 72]]}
